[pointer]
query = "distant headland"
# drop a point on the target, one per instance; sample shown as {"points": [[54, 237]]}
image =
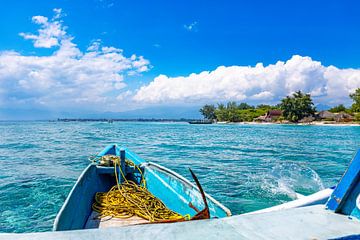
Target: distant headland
{"points": [[110, 120], [295, 109]]}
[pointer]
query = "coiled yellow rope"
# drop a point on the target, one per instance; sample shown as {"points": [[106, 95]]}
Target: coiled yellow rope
{"points": [[128, 199]]}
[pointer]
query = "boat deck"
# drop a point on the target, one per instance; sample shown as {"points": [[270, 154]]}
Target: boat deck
{"points": [[313, 222], [95, 222]]}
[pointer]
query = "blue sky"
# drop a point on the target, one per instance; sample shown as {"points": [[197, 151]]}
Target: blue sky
{"points": [[187, 53]]}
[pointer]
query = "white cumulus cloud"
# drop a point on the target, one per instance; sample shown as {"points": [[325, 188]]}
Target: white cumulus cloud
{"points": [[50, 33], [68, 78], [258, 84]]}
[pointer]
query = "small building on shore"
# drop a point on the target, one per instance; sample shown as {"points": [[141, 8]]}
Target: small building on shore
{"points": [[325, 115], [343, 117], [270, 116], [337, 117]]}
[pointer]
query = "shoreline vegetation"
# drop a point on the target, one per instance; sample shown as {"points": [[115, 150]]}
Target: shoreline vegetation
{"points": [[295, 109], [197, 121]]}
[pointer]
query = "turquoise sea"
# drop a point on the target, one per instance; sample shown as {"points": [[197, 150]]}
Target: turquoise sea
{"points": [[246, 167]]}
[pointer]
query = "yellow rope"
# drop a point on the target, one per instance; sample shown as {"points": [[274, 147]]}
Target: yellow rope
{"points": [[128, 199]]}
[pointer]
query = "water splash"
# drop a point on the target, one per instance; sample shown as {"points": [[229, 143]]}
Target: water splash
{"points": [[292, 179]]}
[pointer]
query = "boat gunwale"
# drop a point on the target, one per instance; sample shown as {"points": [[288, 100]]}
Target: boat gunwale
{"points": [[186, 181], [66, 202]]}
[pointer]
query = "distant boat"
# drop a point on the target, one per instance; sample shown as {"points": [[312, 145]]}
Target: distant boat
{"points": [[177, 193], [201, 122]]}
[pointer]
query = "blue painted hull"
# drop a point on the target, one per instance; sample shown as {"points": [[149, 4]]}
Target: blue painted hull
{"points": [[173, 190]]}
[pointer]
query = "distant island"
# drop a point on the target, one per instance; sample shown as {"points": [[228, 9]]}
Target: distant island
{"points": [[298, 108], [110, 120]]}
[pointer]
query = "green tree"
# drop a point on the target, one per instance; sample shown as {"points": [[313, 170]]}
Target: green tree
{"points": [[355, 107], [208, 111], [232, 115], [248, 115], [233, 112], [244, 106], [264, 106], [298, 106], [338, 108], [221, 112]]}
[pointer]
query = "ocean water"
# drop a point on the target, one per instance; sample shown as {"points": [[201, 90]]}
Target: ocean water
{"points": [[246, 167]]}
